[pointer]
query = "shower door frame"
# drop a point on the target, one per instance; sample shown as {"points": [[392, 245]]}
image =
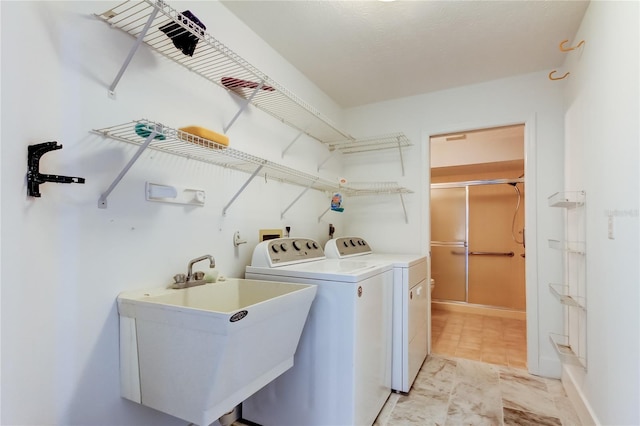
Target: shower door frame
{"points": [[466, 185], [464, 245]]}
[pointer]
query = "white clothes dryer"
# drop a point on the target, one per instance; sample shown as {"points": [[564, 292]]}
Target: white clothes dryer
{"points": [[411, 305], [342, 367]]}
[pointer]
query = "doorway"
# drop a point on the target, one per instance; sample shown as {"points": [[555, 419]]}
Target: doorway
{"points": [[477, 245]]}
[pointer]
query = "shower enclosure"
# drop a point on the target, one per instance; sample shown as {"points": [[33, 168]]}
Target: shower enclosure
{"points": [[477, 245]]}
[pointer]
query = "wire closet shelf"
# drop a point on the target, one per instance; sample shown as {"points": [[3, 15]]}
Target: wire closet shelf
{"points": [[176, 142], [220, 65]]}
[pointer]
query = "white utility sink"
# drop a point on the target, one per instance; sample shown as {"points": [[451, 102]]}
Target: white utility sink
{"points": [[196, 353]]}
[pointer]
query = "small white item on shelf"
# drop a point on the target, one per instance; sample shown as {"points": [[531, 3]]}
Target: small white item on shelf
{"points": [[175, 195]]}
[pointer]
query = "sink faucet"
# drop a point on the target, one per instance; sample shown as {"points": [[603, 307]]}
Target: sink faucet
{"points": [[212, 264], [192, 279]]}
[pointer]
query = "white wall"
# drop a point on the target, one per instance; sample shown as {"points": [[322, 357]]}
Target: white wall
{"points": [[503, 144], [64, 261], [602, 157], [530, 99]]}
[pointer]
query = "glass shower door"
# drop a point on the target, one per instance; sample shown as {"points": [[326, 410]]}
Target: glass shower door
{"points": [[449, 243]]}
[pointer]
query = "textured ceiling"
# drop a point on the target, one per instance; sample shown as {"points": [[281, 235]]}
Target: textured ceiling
{"points": [[359, 52]]}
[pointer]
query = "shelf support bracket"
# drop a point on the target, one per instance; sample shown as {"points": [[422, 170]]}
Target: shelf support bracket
{"points": [[244, 106], [292, 142], [323, 213], [242, 188], [401, 159], [102, 201], [296, 199], [404, 208], [335, 151], [134, 49]]}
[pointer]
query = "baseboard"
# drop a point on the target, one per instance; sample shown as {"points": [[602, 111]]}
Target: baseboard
{"points": [[549, 367], [478, 309], [571, 378], [231, 417]]}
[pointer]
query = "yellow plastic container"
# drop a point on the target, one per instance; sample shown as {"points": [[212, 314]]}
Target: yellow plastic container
{"points": [[196, 134]]}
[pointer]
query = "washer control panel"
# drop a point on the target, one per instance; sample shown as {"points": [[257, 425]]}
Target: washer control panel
{"points": [[284, 251], [350, 246]]}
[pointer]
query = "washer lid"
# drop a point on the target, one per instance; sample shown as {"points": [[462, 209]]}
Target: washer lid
{"points": [[398, 260], [356, 248], [326, 270]]}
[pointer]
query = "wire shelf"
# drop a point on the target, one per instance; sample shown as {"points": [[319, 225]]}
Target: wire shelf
{"points": [[148, 134], [177, 142], [564, 350], [561, 292], [355, 189], [577, 247], [568, 199], [215, 62], [375, 143]]}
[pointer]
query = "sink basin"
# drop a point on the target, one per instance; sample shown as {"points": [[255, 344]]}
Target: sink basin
{"points": [[196, 353]]}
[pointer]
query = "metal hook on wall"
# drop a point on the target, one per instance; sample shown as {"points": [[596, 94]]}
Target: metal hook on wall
{"points": [[551, 77], [568, 49]]}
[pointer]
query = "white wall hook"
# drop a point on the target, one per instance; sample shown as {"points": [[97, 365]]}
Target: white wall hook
{"points": [[237, 240]]}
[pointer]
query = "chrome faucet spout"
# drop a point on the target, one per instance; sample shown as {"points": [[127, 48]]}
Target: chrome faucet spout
{"points": [[212, 264]]}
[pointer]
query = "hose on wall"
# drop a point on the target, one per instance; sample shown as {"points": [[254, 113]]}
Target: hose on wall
{"points": [[515, 214]]}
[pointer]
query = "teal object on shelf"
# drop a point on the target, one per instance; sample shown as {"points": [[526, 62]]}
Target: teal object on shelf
{"points": [[144, 130]]}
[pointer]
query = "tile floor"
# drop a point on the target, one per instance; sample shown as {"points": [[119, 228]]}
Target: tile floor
{"points": [[477, 375], [455, 391], [501, 341]]}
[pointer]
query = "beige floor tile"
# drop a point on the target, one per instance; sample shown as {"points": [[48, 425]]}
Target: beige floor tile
{"points": [[496, 340], [472, 354], [455, 391]]}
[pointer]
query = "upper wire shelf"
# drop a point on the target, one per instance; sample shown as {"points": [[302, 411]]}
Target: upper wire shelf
{"points": [[217, 63], [375, 143]]}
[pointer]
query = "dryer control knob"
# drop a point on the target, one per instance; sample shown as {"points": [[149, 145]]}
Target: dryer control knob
{"points": [[284, 246], [275, 248], [296, 245], [352, 243]]}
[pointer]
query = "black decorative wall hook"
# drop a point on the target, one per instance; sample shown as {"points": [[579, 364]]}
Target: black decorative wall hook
{"points": [[34, 177]]}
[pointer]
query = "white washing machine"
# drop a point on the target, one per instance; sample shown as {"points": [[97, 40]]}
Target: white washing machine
{"points": [[411, 305], [342, 368]]}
